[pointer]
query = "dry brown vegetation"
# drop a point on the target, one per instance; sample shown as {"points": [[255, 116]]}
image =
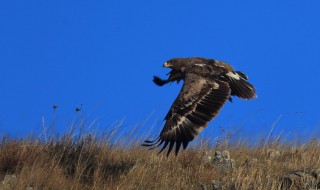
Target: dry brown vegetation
{"points": [[93, 162]]}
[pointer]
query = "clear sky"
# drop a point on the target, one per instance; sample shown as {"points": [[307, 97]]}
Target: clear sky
{"points": [[103, 54]]}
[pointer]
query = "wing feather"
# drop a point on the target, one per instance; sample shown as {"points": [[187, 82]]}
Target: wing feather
{"points": [[199, 100]]}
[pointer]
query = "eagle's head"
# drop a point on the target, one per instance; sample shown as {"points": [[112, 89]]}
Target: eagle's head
{"points": [[176, 63], [181, 63]]}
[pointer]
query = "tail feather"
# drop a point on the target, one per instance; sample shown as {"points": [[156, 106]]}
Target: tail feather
{"points": [[240, 86]]}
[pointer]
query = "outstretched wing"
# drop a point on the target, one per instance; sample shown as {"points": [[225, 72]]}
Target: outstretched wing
{"points": [[200, 100]]}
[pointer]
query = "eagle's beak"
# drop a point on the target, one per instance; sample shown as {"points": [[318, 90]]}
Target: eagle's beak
{"points": [[166, 64]]}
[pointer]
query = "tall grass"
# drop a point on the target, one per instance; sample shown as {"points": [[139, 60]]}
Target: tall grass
{"points": [[86, 159]]}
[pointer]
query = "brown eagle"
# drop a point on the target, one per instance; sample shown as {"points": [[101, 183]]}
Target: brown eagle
{"points": [[208, 84]]}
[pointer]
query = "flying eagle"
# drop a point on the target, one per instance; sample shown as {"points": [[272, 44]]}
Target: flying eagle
{"points": [[208, 84]]}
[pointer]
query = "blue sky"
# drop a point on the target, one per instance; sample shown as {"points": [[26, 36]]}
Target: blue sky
{"points": [[103, 54]]}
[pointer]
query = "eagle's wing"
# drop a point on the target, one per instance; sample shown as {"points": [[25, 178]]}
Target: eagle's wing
{"points": [[200, 100]]}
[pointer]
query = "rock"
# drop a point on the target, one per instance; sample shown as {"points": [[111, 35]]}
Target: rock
{"points": [[203, 186], [316, 174], [317, 171], [29, 188], [225, 162], [272, 153], [299, 180], [220, 157], [207, 159], [286, 183], [9, 181], [228, 164], [221, 160], [225, 154], [216, 184], [217, 156]]}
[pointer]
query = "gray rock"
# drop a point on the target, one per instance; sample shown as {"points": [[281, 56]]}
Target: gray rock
{"points": [[216, 184], [225, 154], [299, 180], [272, 153], [286, 183], [9, 181], [217, 155], [227, 164], [220, 157], [30, 188], [203, 186], [317, 171], [207, 159], [221, 160]]}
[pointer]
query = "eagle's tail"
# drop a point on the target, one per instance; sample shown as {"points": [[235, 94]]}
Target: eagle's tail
{"points": [[240, 86]]}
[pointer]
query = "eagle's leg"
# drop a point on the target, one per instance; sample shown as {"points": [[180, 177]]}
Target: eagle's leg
{"points": [[174, 76], [230, 99], [158, 81]]}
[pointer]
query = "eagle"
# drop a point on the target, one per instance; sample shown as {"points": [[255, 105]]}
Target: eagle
{"points": [[208, 84]]}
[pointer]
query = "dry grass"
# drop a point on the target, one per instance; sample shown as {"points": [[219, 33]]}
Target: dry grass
{"points": [[92, 162]]}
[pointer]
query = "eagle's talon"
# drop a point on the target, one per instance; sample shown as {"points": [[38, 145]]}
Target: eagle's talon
{"points": [[158, 81]]}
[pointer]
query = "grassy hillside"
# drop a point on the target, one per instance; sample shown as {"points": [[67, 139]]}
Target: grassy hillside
{"points": [[88, 161]]}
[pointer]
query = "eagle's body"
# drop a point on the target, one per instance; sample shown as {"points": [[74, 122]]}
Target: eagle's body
{"points": [[208, 84]]}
